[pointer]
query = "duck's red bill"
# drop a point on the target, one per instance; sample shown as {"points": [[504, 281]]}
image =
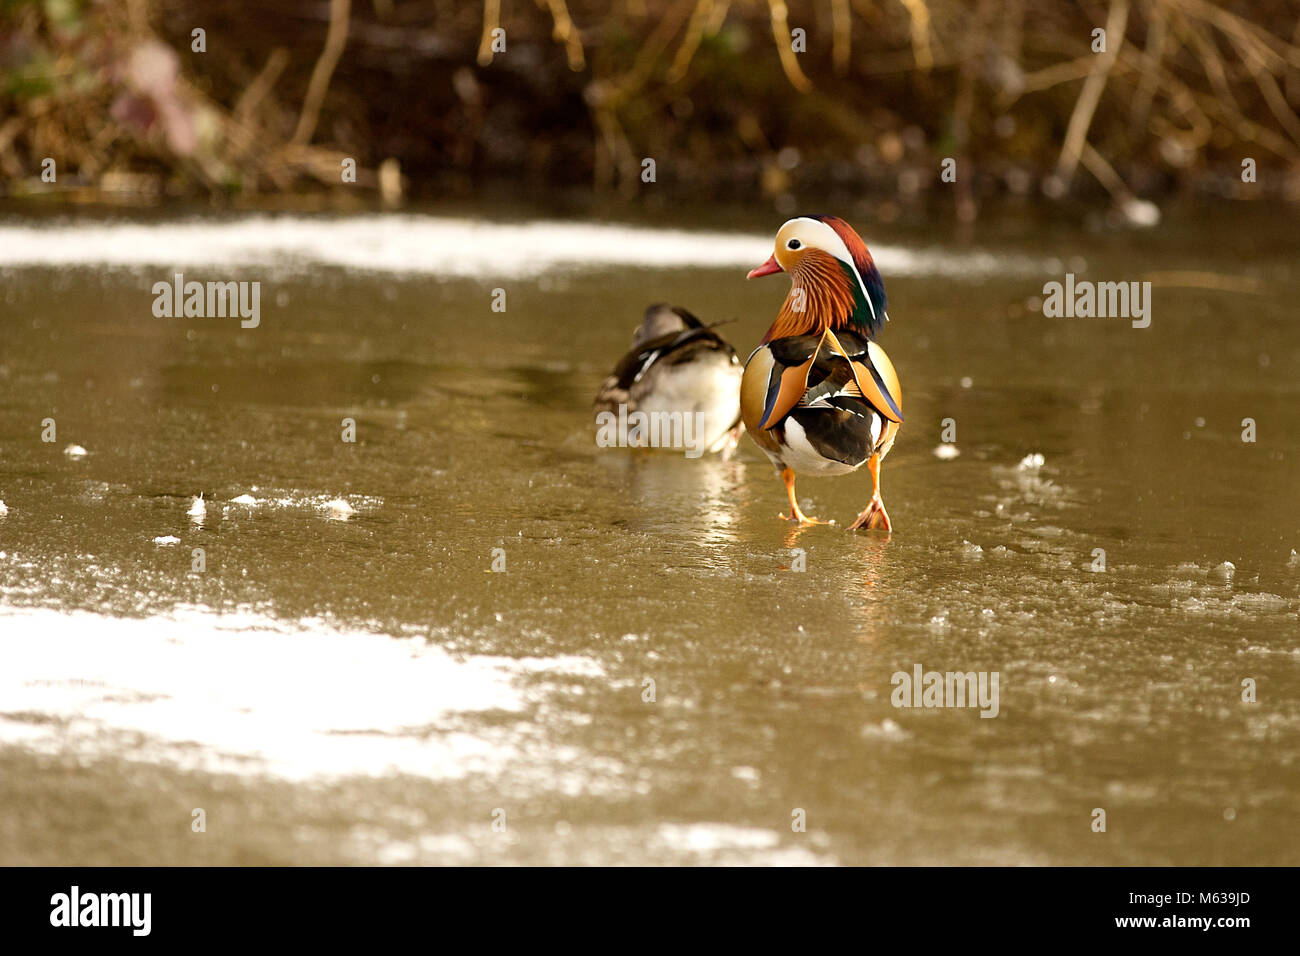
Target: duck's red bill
{"points": [[766, 269]]}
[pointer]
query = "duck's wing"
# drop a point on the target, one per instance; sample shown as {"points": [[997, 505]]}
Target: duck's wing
{"points": [[875, 376], [671, 347], [812, 371], [708, 335], [776, 377], [689, 318]]}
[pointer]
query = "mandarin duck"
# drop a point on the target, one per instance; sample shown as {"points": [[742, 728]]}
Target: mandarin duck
{"points": [[677, 364], [818, 395]]}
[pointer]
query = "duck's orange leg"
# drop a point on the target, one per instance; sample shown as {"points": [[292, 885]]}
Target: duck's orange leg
{"points": [[795, 514], [875, 515]]}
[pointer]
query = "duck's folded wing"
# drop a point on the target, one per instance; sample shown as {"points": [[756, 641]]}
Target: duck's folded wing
{"points": [[633, 366], [873, 375], [810, 370], [877, 390], [776, 378]]}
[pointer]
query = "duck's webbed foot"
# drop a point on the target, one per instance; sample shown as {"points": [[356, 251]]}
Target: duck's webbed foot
{"points": [[874, 516], [796, 513]]}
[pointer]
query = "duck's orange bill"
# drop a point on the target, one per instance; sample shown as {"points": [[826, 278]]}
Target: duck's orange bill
{"points": [[766, 269]]}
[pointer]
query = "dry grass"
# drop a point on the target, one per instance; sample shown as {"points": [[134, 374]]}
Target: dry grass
{"points": [[1184, 89]]}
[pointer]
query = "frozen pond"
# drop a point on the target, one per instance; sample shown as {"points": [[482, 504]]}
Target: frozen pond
{"points": [[347, 679]]}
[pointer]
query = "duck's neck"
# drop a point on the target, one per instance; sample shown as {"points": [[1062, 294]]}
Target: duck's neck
{"points": [[821, 297]]}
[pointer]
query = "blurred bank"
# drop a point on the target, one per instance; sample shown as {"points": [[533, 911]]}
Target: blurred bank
{"points": [[653, 102]]}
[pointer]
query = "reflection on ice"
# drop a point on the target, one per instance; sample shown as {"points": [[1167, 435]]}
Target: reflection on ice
{"points": [[244, 692]]}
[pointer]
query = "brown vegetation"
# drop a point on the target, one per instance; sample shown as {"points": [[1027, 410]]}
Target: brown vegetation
{"points": [[718, 93]]}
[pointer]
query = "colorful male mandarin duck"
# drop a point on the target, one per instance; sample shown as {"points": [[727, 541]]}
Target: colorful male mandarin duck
{"points": [[818, 394], [678, 364]]}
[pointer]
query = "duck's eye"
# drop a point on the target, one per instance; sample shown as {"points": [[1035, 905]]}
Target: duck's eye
{"points": [[793, 244]]}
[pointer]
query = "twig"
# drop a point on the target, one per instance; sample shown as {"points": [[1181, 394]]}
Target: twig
{"points": [[1210, 59], [1157, 34], [241, 129], [920, 16], [1272, 93], [632, 82], [565, 32], [1096, 164], [491, 20], [1054, 75], [1270, 47], [785, 49], [335, 39], [1076, 134], [1205, 109], [691, 42], [256, 91]]}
